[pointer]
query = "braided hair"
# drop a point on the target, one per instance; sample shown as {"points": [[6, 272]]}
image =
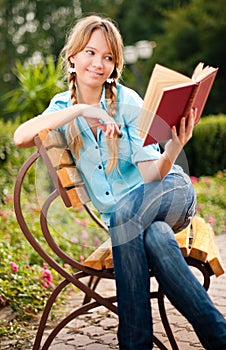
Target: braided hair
{"points": [[77, 40]]}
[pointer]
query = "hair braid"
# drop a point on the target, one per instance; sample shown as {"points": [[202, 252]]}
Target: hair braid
{"points": [[113, 144], [75, 140]]}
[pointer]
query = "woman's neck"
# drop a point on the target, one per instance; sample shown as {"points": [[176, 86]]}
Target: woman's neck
{"points": [[89, 96]]}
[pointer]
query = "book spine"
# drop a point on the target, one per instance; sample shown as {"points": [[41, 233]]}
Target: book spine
{"points": [[190, 101]]}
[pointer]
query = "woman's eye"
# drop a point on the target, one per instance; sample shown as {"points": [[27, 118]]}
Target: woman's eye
{"points": [[109, 58], [90, 52]]}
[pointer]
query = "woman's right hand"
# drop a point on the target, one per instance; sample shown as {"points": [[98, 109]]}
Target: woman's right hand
{"points": [[97, 116]]}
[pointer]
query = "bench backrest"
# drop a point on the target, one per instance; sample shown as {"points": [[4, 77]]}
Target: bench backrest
{"points": [[61, 167]]}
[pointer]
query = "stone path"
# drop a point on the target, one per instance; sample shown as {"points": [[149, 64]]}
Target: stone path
{"points": [[97, 330]]}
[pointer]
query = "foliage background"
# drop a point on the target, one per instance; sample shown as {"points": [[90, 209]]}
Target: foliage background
{"points": [[185, 31]]}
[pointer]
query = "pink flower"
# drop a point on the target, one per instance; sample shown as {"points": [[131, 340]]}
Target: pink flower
{"points": [[84, 234], [97, 242], [2, 301], [211, 220], [206, 181], [77, 220], [46, 277], [194, 179], [9, 198], [74, 240], [85, 222], [67, 266], [82, 258], [14, 266], [3, 214], [219, 174]]}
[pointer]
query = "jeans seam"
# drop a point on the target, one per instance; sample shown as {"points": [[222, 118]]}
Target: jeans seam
{"points": [[161, 195]]}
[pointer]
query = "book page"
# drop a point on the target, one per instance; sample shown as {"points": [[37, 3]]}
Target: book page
{"points": [[161, 78], [207, 71]]}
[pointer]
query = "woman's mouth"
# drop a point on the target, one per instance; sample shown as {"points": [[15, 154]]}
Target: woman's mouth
{"points": [[94, 73]]}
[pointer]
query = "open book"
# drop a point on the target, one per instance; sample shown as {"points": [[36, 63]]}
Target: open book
{"points": [[170, 96]]}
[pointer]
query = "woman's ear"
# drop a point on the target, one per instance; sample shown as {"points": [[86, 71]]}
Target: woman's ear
{"points": [[71, 59]]}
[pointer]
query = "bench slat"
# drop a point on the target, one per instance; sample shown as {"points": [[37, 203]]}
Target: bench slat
{"points": [[200, 243], [97, 259], [182, 238], [78, 196], [69, 176], [52, 138], [59, 157], [213, 257]]}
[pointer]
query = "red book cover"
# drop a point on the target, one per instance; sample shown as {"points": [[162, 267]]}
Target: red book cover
{"points": [[168, 113], [170, 96]]}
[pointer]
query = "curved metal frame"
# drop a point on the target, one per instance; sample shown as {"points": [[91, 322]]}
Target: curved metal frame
{"points": [[91, 298]]}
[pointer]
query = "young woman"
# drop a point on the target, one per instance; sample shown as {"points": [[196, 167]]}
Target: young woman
{"points": [[141, 195]]}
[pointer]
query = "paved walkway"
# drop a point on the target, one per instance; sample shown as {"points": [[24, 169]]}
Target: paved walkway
{"points": [[97, 330]]}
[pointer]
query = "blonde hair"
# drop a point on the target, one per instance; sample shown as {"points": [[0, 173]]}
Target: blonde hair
{"points": [[78, 38]]}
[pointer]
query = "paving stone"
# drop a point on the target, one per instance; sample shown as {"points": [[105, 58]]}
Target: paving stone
{"points": [[96, 346], [79, 340]]}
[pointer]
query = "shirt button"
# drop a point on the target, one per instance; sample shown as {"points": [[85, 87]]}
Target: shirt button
{"points": [[99, 166], [96, 147], [107, 193]]}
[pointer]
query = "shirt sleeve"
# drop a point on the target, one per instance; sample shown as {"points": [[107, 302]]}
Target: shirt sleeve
{"points": [[58, 102]]}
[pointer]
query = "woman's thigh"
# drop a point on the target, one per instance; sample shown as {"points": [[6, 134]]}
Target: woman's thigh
{"points": [[171, 200]]}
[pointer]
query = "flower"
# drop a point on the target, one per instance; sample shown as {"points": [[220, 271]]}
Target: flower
{"points": [[2, 301], [84, 234], [211, 220], [3, 214], [47, 277], [194, 179], [14, 266], [85, 222]]}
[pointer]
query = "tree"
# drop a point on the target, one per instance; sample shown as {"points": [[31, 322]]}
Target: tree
{"points": [[31, 30], [194, 33]]}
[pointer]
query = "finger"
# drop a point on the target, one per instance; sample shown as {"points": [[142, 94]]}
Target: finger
{"points": [[191, 119], [182, 126], [109, 133]]}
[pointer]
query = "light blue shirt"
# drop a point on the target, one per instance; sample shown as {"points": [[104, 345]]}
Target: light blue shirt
{"points": [[106, 189]]}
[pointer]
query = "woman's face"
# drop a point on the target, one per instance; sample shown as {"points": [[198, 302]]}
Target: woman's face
{"points": [[95, 63]]}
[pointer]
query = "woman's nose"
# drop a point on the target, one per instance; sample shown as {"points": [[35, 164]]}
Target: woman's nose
{"points": [[97, 62]]}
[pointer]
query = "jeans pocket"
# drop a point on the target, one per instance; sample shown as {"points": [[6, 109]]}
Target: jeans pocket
{"points": [[188, 216]]}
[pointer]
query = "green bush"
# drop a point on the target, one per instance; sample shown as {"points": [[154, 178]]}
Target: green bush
{"points": [[211, 199], [38, 83], [11, 159], [205, 152]]}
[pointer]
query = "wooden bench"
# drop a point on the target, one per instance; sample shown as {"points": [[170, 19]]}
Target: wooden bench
{"points": [[197, 242]]}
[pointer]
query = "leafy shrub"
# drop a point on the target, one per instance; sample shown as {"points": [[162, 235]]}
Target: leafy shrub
{"points": [[206, 150], [37, 85], [211, 200], [11, 159]]}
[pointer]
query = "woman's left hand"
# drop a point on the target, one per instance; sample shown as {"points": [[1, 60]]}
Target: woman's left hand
{"points": [[185, 130]]}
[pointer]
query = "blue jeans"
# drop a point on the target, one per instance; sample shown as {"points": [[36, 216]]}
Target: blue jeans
{"points": [[142, 230]]}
